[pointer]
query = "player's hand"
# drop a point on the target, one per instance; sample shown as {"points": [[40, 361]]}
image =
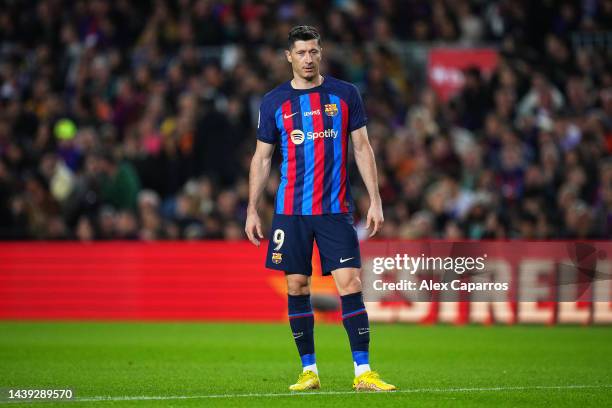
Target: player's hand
{"points": [[252, 227], [375, 217]]}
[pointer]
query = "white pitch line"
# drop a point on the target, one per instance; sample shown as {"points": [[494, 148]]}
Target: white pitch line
{"points": [[313, 393]]}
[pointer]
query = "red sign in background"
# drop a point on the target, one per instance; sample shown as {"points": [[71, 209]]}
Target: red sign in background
{"points": [[227, 281], [548, 282], [124, 280], [446, 65]]}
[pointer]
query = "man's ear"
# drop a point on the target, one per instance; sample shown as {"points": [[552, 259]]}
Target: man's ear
{"points": [[288, 55]]}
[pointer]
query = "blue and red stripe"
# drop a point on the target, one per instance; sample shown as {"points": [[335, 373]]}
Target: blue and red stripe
{"points": [[319, 150], [336, 181], [299, 315], [284, 136], [309, 156], [355, 313], [291, 179], [344, 112], [328, 123], [299, 162]]}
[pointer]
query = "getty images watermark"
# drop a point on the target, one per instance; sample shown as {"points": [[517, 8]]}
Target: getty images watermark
{"points": [[412, 265], [490, 271]]}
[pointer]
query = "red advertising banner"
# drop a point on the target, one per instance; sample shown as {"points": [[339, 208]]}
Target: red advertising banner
{"points": [[445, 67], [486, 282], [544, 282], [125, 280]]}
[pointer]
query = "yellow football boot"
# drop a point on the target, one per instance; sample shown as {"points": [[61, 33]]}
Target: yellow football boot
{"points": [[370, 381], [308, 380]]}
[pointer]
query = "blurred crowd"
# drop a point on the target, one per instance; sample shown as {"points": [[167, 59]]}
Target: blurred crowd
{"points": [[136, 120]]}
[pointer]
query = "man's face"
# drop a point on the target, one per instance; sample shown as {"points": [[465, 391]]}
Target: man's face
{"points": [[305, 58]]}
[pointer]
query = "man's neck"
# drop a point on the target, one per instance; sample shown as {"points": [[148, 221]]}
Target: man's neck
{"points": [[301, 83]]}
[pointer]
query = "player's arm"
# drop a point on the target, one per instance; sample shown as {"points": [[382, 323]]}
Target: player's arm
{"points": [[258, 176], [364, 157]]}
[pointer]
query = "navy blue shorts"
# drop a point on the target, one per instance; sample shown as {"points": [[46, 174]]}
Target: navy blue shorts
{"points": [[291, 240]]}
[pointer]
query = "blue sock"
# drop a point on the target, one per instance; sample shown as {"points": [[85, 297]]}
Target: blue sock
{"points": [[301, 320], [355, 320]]}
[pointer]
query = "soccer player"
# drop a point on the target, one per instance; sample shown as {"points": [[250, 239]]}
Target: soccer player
{"points": [[311, 118]]}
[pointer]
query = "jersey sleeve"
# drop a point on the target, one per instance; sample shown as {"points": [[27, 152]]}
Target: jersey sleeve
{"points": [[357, 113], [266, 125]]}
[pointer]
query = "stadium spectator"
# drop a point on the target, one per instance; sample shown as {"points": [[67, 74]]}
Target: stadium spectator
{"points": [[135, 120]]}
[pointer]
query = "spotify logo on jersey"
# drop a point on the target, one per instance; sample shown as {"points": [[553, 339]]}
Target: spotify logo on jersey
{"points": [[297, 137]]}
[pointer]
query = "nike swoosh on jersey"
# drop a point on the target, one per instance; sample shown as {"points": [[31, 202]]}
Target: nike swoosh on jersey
{"points": [[288, 116]]}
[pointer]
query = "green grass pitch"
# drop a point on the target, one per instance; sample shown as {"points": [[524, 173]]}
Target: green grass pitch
{"points": [[216, 364]]}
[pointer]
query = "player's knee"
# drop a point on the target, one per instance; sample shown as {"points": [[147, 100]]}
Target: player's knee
{"points": [[297, 290], [352, 285], [297, 287]]}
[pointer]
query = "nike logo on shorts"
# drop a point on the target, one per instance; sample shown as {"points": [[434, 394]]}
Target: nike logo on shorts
{"points": [[342, 260]]}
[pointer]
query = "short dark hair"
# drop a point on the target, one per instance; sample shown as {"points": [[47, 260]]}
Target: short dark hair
{"points": [[302, 33]]}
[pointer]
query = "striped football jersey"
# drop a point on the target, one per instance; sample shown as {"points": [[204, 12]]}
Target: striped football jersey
{"points": [[312, 127]]}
